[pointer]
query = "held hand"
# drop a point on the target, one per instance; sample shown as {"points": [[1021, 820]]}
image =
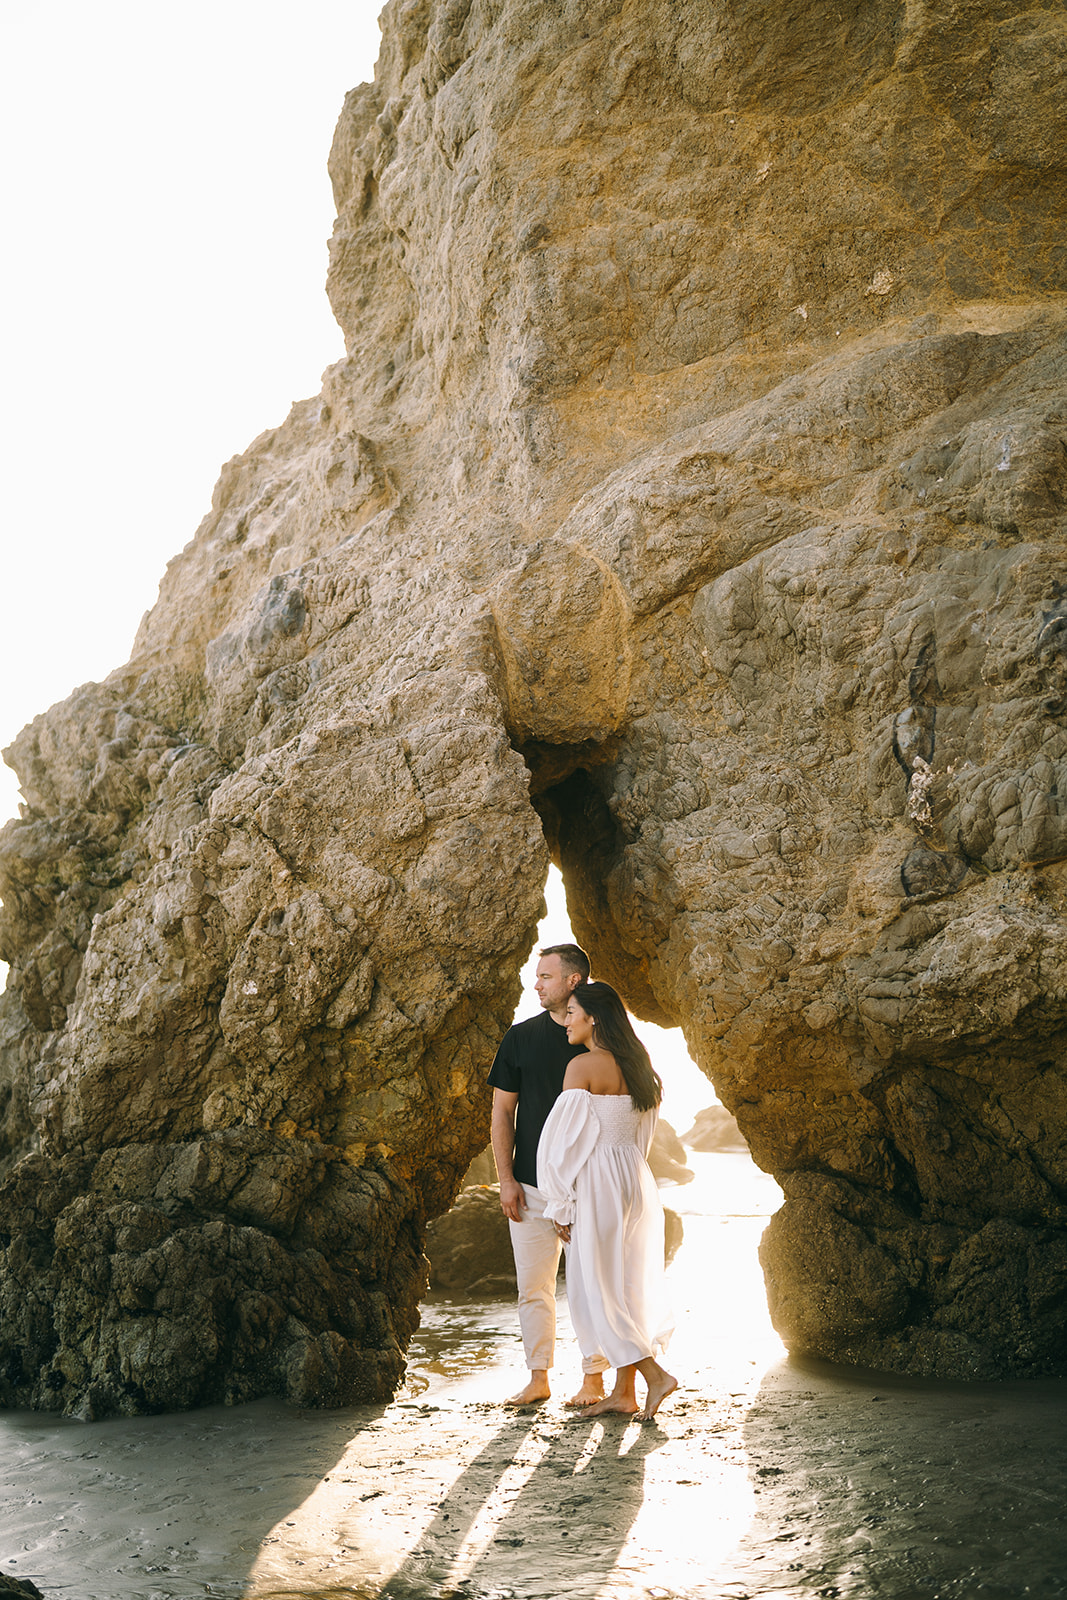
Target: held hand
{"points": [[512, 1200]]}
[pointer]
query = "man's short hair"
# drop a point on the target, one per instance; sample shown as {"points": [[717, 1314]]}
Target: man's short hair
{"points": [[572, 958]]}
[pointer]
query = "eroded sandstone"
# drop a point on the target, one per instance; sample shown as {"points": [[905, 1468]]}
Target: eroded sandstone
{"points": [[692, 506]]}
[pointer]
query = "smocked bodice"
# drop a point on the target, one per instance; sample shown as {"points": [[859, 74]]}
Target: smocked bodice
{"points": [[584, 1135], [617, 1117]]}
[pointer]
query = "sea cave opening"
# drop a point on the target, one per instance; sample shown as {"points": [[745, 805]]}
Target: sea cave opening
{"points": [[717, 1200]]}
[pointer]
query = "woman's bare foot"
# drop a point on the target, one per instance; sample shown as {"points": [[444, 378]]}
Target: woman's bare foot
{"points": [[591, 1391], [535, 1391], [658, 1390], [611, 1405], [622, 1401]]}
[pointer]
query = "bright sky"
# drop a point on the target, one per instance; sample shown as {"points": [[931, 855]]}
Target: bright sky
{"points": [[167, 208]]}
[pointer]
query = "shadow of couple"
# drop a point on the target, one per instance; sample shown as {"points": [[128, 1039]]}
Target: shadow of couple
{"points": [[545, 1508]]}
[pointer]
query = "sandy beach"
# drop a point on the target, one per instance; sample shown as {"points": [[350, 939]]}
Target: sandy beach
{"points": [[761, 1477]]}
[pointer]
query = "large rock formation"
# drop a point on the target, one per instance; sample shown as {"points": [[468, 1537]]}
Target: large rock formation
{"points": [[690, 506]]}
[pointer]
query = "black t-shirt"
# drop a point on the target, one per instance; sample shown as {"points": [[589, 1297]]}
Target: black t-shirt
{"points": [[532, 1062]]}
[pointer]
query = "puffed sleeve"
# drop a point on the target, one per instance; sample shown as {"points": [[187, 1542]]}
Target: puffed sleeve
{"points": [[647, 1124], [567, 1141]]}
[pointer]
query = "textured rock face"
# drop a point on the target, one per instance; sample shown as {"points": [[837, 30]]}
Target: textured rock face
{"points": [[691, 505], [470, 1247]]}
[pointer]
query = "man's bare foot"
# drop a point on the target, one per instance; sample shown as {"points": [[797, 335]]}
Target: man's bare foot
{"points": [[612, 1405], [591, 1391], [535, 1391], [658, 1391]]}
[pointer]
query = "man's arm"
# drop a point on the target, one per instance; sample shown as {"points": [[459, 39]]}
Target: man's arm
{"points": [[512, 1197]]}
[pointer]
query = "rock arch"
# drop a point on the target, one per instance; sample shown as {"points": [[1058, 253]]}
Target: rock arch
{"points": [[691, 505]]}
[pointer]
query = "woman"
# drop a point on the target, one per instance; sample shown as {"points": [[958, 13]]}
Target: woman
{"points": [[604, 1201]]}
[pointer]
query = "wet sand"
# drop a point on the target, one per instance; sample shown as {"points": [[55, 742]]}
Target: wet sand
{"points": [[760, 1478]]}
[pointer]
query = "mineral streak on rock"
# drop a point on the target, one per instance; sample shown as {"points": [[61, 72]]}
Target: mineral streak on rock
{"points": [[691, 505]]}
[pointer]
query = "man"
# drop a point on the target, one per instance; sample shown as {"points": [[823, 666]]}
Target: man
{"points": [[527, 1077]]}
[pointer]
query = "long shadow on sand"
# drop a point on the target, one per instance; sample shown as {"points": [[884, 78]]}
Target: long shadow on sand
{"points": [[579, 1485], [869, 1485]]}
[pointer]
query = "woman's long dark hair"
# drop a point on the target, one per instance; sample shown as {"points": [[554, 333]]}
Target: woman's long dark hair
{"points": [[613, 1031]]}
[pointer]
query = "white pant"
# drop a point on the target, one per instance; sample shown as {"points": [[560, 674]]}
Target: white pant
{"points": [[536, 1245]]}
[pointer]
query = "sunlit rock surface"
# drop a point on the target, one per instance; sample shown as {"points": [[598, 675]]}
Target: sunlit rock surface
{"points": [[690, 506]]}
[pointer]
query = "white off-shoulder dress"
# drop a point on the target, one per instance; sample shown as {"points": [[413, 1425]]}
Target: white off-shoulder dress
{"points": [[591, 1167]]}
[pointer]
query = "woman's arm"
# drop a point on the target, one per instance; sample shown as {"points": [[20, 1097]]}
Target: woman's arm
{"points": [[567, 1141]]}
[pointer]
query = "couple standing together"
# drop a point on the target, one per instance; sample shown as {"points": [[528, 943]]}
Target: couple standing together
{"points": [[575, 1106]]}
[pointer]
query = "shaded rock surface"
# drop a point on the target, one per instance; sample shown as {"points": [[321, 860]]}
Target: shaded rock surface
{"points": [[689, 507], [470, 1246], [23, 1586]]}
